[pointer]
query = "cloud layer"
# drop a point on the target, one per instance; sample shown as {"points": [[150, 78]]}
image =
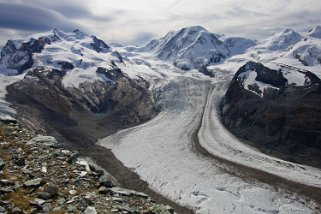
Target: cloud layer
{"points": [[23, 17], [136, 22]]}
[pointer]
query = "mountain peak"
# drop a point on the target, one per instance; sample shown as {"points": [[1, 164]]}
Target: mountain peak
{"points": [[189, 48], [59, 50], [315, 32], [281, 40], [195, 28], [74, 35], [288, 31]]}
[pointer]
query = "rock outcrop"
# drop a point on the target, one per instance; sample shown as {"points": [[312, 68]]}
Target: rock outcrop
{"points": [[50, 107], [280, 117]]}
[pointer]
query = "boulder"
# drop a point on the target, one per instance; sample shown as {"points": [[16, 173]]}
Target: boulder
{"points": [[47, 141], [126, 192], [90, 210]]}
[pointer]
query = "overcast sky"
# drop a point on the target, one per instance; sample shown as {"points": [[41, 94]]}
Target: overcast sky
{"points": [[138, 21]]}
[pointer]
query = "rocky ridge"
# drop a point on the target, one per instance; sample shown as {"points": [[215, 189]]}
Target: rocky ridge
{"points": [[279, 115], [37, 175]]}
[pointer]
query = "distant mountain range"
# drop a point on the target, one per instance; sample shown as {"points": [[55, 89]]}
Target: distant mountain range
{"points": [[275, 77]]}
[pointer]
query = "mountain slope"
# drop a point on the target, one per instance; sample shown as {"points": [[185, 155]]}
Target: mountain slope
{"points": [[315, 32], [68, 79], [307, 51], [280, 41], [75, 51], [238, 45], [276, 109]]}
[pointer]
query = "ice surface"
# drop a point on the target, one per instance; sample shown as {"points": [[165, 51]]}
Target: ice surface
{"points": [[6, 112], [163, 153]]}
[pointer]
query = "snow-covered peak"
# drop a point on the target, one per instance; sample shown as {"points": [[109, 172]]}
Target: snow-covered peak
{"points": [[193, 29], [189, 48], [315, 32], [280, 41], [74, 35], [75, 52], [307, 52]]}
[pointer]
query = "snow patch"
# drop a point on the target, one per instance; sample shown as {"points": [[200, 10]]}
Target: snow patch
{"points": [[248, 79]]}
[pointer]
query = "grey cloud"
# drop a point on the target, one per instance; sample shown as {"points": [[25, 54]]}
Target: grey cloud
{"points": [[28, 18], [72, 11], [69, 9], [78, 11], [174, 4], [300, 21], [237, 11], [142, 38]]}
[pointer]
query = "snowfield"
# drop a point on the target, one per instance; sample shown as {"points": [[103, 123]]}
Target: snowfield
{"points": [[163, 151]]}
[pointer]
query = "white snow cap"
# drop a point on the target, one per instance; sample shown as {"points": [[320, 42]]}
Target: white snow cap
{"points": [[282, 40]]}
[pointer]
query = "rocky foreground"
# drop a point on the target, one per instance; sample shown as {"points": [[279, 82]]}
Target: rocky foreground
{"points": [[38, 176]]}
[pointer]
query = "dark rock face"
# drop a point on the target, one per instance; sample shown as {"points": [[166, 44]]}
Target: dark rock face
{"points": [[92, 109], [20, 58], [286, 122], [99, 45], [203, 69], [66, 65]]}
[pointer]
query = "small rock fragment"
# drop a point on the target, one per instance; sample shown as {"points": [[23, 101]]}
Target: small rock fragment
{"points": [[16, 210], [2, 209], [44, 169], [73, 158], [83, 174], [27, 172], [2, 164], [46, 207], [61, 201], [72, 192], [90, 210], [4, 190], [53, 191], [103, 190], [43, 195], [34, 183], [6, 182], [117, 199]]}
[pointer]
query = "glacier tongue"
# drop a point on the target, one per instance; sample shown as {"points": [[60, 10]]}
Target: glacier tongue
{"points": [[164, 151], [6, 112]]}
